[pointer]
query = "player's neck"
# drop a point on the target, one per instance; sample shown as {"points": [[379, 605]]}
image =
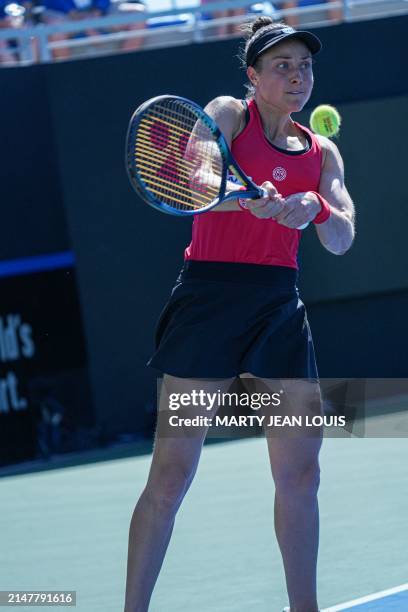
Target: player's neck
{"points": [[276, 124]]}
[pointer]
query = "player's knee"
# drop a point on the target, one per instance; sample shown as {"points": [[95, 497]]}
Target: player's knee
{"points": [[166, 491], [303, 480]]}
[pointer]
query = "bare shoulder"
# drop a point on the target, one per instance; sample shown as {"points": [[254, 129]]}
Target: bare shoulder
{"points": [[228, 113], [224, 105], [330, 151]]}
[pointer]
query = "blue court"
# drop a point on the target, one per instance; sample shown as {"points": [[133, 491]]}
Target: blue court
{"points": [[392, 599]]}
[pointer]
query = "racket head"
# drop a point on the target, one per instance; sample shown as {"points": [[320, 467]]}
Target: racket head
{"points": [[176, 156]]}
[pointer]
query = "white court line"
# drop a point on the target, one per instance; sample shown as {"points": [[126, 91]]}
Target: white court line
{"points": [[361, 600]]}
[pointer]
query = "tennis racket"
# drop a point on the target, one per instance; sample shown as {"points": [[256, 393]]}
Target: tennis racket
{"points": [[179, 162]]}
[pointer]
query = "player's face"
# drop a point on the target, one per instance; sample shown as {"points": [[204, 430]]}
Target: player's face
{"points": [[285, 78]]}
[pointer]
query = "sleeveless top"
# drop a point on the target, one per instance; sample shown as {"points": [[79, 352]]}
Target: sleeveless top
{"points": [[239, 236]]}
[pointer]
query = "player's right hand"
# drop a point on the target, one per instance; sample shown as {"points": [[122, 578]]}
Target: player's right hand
{"points": [[268, 207]]}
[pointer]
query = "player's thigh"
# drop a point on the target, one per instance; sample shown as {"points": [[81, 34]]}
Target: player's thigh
{"points": [[177, 449], [293, 434], [297, 399]]}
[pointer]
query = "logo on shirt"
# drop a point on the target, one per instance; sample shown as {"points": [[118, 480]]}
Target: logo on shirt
{"points": [[279, 173]]}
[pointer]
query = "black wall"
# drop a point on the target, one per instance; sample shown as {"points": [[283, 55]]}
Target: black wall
{"points": [[371, 145], [32, 215], [128, 255], [362, 337]]}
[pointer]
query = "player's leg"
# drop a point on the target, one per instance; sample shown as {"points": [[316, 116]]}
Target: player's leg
{"points": [[295, 468], [174, 463], [294, 459]]}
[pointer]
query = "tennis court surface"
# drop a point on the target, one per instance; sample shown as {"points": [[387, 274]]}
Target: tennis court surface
{"points": [[66, 529], [390, 599]]}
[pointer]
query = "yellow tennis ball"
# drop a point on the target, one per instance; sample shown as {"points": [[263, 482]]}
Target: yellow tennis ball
{"points": [[325, 120]]}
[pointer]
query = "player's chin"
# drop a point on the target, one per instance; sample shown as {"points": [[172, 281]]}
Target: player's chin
{"points": [[295, 105], [296, 102]]}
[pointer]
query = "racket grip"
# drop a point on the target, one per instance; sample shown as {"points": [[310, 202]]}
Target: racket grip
{"points": [[264, 194]]}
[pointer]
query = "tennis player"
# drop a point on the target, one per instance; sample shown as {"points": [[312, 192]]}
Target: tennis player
{"points": [[235, 308]]}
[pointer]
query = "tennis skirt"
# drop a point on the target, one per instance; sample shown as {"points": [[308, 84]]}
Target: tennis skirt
{"points": [[226, 319]]}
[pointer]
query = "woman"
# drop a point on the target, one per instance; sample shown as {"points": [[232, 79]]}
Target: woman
{"points": [[331, 13], [235, 308]]}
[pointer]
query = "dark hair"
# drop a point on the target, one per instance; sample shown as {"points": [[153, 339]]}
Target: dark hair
{"points": [[252, 31]]}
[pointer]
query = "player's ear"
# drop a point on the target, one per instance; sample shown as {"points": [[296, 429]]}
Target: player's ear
{"points": [[252, 75]]}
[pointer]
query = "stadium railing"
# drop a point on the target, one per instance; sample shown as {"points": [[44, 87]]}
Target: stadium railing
{"points": [[30, 44]]}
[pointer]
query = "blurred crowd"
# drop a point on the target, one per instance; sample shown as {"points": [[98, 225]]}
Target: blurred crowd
{"points": [[29, 13], [333, 13], [51, 12]]}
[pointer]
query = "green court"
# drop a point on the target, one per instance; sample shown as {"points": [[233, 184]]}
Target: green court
{"points": [[66, 529]]}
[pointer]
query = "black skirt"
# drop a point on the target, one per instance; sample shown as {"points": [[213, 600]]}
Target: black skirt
{"points": [[226, 319]]}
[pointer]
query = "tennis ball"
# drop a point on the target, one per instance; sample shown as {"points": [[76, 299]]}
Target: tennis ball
{"points": [[325, 120]]}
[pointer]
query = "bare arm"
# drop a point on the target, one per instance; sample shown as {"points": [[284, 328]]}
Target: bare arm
{"points": [[228, 113], [337, 233]]}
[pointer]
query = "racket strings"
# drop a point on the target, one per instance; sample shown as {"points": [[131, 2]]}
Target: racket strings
{"points": [[176, 156], [160, 155]]}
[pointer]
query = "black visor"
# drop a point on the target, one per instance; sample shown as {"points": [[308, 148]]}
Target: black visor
{"points": [[272, 37]]}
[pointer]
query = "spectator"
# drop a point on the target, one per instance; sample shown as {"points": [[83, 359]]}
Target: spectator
{"points": [[227, 28], [60, 11], [11, 16], [334, 14], [126, 8]]}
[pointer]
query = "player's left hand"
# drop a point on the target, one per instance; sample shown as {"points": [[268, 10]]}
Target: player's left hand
{"points": [[267, 207], [300, 208]]}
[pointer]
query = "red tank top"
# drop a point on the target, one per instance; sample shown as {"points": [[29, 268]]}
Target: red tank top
{"points": [[236, 236]]}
